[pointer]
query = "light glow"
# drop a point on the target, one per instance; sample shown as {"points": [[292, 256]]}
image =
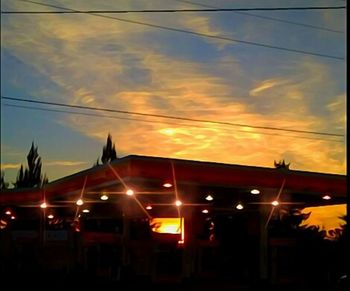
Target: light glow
{"points": [[255, 191], [130, 192], [167, 131], [86, 211], [275, 203], [8, 212], [326, 197], [50, 216], [178, 203], [167, 185], [205, 211], [80, 202], [13, 217], [148, 207], [43, 205]]}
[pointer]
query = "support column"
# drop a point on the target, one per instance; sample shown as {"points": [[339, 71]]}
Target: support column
{"points": [[263, 246]]}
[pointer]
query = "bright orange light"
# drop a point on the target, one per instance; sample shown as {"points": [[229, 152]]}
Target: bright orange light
{"points": [[239, 206], [43, 205], [178, 203], [167, 225], [255, 191], [130, 192], [167, 185], [8, 212], [80, 202], [209, 198], [148, 207], [104, 197], [50, 216], [205, 211], [275, 203], [327, 197]]}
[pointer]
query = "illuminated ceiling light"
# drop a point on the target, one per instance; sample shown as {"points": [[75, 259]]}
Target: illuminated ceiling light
{"points": [[275, 203], [326, 197], [255, 192], [129, 192], [86, 210], [8, 212], [178, 203], [148, 207], [205, 211], [50, 216], [209, 198], [43, 205], [13, 217], [239, 206], [104, 197], [80, 202], [167, 185]]}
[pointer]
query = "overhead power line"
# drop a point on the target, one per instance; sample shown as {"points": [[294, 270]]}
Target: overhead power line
{"points": [[170, 117], [178, 10], [266, 17], [197, 33], [162, 122]]}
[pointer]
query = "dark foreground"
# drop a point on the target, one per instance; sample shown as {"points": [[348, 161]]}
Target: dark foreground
{"points": [[84, 281]]}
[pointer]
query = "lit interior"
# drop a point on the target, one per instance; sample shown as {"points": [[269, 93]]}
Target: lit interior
{"points": [[167, 225]]}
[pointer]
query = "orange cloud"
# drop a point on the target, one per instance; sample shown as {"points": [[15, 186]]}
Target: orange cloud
{"points": [[127, 67], [327, 218]]}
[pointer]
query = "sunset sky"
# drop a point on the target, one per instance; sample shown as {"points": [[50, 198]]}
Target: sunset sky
{"points": [[82, 59]]}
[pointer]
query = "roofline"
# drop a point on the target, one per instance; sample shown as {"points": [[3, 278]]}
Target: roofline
{"points": [[228, 165], [128, 161]]}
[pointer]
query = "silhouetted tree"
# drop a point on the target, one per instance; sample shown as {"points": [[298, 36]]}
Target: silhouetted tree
{"points": [[97, 163], [31, 176], [109, 153], [281, 165], [3, 184]]}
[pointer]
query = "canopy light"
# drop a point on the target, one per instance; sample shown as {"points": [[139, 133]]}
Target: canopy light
{"points": [[8, 212], [167, 185], [104, 197], [239, 206], [43, 205], [129, 192], [148, 207], [205, 211], [209, 198], [275, 203], [178, 203], [86, 210], [80, 202], [326, 197], [255, 192], [13, 217], [50, 216]]}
